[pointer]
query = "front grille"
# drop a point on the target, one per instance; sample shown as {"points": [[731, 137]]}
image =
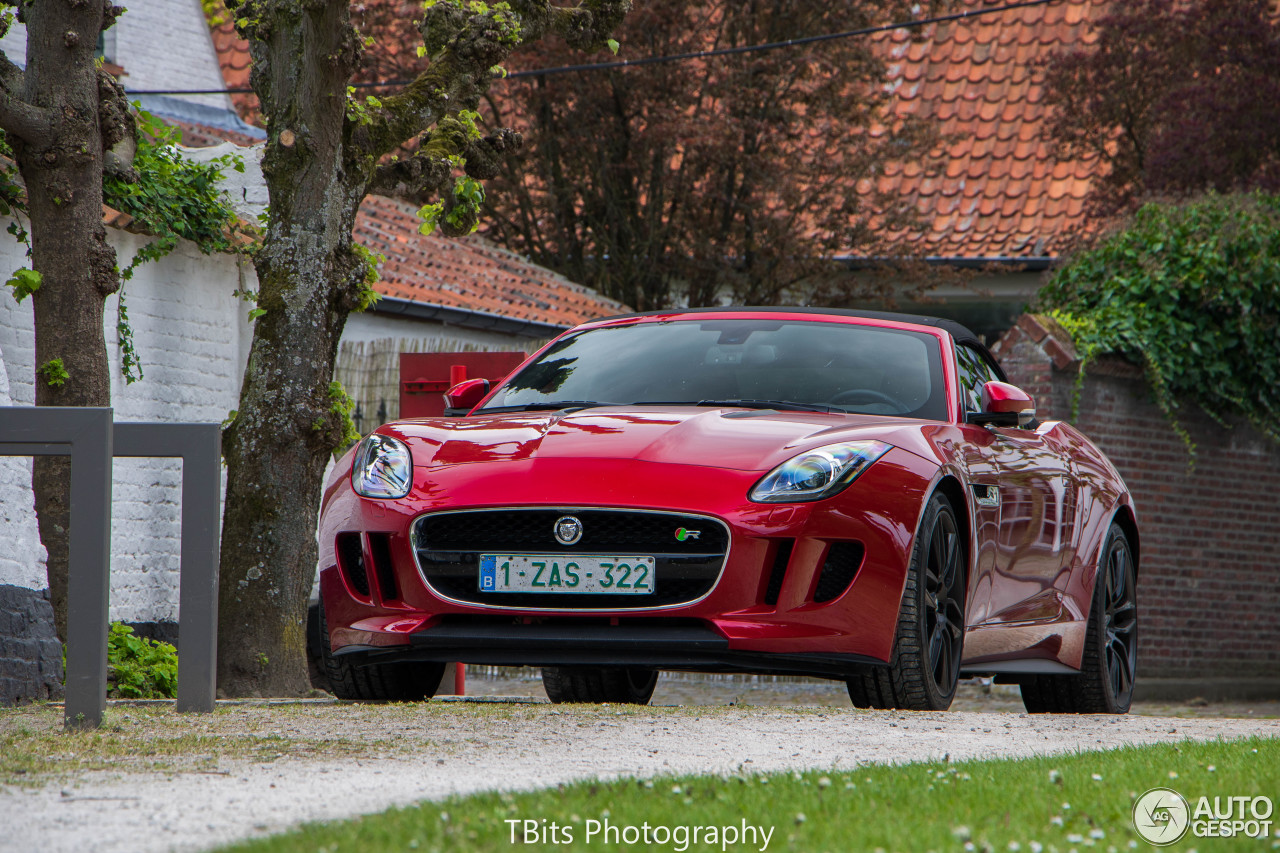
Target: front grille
{"points": [[448, 546], [843, 561]]}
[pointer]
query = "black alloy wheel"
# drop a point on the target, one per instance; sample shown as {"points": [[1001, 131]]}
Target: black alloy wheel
{"points": [[944, 604], [1109, 664], [925, 667]]}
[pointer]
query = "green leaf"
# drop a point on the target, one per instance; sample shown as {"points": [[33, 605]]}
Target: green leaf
{"points": [[256, 313], [613, 46], [24, 282]]}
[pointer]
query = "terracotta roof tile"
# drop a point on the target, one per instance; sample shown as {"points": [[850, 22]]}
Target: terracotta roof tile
{"points": [[977, 80], [473, 273], [233, 58]]}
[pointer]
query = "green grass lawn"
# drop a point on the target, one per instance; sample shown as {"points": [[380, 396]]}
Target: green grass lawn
{"points": [[1077, 802]]}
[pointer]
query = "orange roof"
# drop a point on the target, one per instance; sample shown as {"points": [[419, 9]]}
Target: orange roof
{"points": [[998, 190], [471, 274], [233, 57]]}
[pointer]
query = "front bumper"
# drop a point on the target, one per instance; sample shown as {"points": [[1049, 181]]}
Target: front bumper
{"points": [[692, 647], [768, 612]]}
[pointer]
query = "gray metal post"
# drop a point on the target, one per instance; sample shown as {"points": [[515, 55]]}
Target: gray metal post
{"points": [[85, 435], [200, 447]]}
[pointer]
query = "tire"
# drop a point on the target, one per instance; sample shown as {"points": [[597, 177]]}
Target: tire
{"points": [[1109, 663], [925, 665], [597, 684], [378, 682]]}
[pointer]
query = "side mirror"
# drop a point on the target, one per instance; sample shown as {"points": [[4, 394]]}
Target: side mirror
{"points": [[465, 396], [1004, 405]]}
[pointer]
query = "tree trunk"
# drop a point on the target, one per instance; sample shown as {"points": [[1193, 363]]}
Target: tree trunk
{"points": [[322, 155], [61, 165], [277, 447]]}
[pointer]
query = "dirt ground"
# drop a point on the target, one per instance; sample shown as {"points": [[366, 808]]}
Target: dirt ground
{"points": [[153, 780]]}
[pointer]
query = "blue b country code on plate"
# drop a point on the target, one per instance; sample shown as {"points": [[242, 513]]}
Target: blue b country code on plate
{"points": [[595, 574]]}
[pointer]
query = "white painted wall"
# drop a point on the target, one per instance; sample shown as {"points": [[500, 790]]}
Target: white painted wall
{"points": [[192, 336], [161, 44]]}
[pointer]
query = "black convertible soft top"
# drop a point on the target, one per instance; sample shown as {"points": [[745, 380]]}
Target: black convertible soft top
{"points": [[959, 332]]}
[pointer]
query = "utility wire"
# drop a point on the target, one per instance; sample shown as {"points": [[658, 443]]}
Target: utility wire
{"points": [[662, 60]]}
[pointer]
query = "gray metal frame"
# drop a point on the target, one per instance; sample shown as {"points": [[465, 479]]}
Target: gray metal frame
{"points": [[200, 448], [89, 437]]}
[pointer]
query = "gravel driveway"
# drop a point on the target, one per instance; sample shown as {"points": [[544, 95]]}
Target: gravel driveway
{"points": [[337, 761]]}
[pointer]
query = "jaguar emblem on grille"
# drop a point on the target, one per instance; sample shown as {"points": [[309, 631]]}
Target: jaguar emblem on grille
{"points": [[568, 530]]}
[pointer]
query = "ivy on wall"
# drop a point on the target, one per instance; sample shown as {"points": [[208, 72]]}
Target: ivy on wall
{"points": [[1192, 292], [172, 199]]}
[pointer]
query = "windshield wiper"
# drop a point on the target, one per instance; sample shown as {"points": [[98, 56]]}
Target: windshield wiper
{"points": [[781, 405], [544, 407]]}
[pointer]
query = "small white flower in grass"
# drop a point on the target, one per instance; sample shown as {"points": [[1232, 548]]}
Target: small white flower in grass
{"points": [[800, 818], [1066, 806], [1014, 847], [1097, 777], [1173, 774], [1211, 768], [824, 782], [849, 786], [1056, 820], [1075, 838], [965, 777], [1035, 847], [648, 783], [1055, 777], [1133, 845], [1097, 833], [962, 833], [676, 789], [969, 846], [444, 817]]}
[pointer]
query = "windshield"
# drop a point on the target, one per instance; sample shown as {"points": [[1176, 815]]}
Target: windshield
{"points": [[758, 363]]}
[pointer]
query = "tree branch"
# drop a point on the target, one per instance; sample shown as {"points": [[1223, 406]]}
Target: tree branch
{"points": [[32, 124], [465, 46]]}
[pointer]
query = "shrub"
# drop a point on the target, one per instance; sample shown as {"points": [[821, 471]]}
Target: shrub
{"points": [[139, 668], [1192, 292]]}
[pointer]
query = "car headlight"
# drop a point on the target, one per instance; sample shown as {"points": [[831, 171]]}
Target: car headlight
{"points": [[818, 473], [382, 468]]}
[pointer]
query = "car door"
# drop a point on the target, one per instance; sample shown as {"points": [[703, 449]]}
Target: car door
{"points": [[1025, 503]]}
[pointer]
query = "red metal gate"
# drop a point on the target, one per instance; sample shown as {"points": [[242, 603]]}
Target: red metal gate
{"points": [[425, 376]]}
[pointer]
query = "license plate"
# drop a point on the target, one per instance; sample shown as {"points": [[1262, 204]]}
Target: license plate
{"points": [[553, 573]]}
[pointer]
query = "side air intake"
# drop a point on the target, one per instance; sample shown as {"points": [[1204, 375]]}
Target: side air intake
{"points": [[843, 561]]}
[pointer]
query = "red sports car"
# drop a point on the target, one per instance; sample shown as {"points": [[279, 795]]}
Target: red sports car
{"points": [[849, 495]]}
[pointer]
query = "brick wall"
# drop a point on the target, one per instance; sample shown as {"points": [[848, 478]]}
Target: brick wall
{"points": [[1209, 601], [30, 654]]}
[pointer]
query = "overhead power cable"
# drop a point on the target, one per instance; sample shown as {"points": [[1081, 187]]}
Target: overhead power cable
{"points": [[674, 57]]}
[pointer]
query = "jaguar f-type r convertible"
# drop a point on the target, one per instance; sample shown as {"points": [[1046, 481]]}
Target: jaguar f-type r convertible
{"points": [[847, 495]]}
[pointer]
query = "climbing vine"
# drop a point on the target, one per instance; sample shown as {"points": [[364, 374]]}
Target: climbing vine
{"points": [[1192, 292], [172, 199]]}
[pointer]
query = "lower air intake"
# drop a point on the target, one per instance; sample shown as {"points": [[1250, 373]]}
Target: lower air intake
{"points": [[838, 572]]}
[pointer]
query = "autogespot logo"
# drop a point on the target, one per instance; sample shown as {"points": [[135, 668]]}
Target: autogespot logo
{"points": [[1161, 816]]}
